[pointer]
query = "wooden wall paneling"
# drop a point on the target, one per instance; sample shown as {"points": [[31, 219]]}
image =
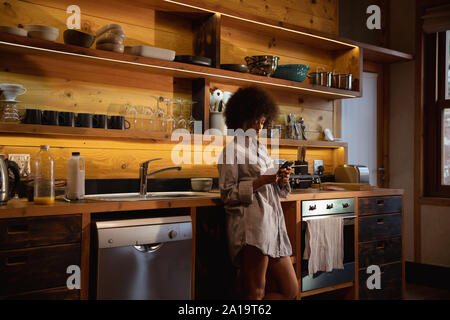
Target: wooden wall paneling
{"points": [[350, 61], [207, 38], [111, 159], [61, 94], [64, 67], [238, 42], [337, 118], [142, 26], [321, 15]]}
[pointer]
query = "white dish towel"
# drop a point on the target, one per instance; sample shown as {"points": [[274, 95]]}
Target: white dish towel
{"points": [[324, 244]]}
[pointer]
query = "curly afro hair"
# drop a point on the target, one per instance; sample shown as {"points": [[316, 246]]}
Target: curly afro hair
{"points": [[248, 105]]}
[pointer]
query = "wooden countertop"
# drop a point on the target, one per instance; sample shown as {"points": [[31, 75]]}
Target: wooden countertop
{"points": [[22, 208]]}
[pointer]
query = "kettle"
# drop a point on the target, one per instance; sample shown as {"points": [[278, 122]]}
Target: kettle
{"points": [[8, 184]]}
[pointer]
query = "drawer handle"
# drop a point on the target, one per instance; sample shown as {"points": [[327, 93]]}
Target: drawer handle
{"points": [[18, 228], [15, 261], [381, 246], [380, 202], [380, 221]]}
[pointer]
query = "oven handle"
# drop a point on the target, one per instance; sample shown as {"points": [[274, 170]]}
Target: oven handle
{"points": [[322, 217]]}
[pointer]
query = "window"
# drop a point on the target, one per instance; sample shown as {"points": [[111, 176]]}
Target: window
{"points": [[437, 115]]}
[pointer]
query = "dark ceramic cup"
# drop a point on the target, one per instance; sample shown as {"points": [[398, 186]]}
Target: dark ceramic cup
{"points": [[50, 118], [119, 122], [67, 119], [33, 116], [101, 121], [86, 120]]}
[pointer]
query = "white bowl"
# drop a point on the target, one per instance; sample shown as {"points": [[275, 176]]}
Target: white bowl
{"points": [[14, 30], [151, 52], [201, 184], [42, 32]]}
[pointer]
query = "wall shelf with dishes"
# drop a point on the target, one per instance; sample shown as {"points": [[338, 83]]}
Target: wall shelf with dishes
{"points": [[207, 37]]}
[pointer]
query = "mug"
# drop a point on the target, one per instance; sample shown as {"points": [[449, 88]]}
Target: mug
{"points": [[50, 118], [119, 122], [67, 119], [102, 121], [86, 120], [33, 116]]}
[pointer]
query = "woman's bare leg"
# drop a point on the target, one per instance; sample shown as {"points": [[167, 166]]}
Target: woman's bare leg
{"points": [[253, 268], [282, 273]]}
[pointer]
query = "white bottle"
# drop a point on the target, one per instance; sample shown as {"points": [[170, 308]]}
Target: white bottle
{"points": [[75, 177]]}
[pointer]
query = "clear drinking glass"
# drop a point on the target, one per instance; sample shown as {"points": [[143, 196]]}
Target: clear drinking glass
{"points": [[187, 107], [147, 119], [161, 117], [181, 122], [132, 116]]}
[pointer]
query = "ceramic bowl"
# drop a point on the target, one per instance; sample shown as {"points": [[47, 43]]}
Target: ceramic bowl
{"points": [[293, 72], [42, 32], [201, 184], [78, 38], [14, 31]]}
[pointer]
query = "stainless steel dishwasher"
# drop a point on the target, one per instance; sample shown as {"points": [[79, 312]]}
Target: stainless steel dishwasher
{"points": [[144, 259]]}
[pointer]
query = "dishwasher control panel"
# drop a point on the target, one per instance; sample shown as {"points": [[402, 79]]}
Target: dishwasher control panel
{"points": [[142, 232]]}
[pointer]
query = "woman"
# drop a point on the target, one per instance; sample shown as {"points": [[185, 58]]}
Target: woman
{"points": [[251, 191]]}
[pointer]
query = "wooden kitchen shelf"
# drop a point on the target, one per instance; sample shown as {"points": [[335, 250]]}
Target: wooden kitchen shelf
{"points": [[113, 134], [95, 65]]}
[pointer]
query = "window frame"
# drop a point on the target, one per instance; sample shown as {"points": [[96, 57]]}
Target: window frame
{"points": [[435, 78]]}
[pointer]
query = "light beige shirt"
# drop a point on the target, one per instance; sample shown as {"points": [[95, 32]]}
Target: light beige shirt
{"points": [[252, 217]]}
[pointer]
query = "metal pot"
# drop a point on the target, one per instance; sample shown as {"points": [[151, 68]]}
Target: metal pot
{"points": [[322, 78], [342, 81], [8, 185]]}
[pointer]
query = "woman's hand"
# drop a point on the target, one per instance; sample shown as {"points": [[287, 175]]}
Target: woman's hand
{"points": [[263, 180], [283, 176]]}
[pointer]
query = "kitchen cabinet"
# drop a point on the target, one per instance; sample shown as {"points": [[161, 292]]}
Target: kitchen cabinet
{"points": [[35, 253], [380, 244]]}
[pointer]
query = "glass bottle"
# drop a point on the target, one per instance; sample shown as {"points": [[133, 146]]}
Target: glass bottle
{"points": [[44, 179]]}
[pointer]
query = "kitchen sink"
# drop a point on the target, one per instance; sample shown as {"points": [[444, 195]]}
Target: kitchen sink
{"points": [[150, 196]]}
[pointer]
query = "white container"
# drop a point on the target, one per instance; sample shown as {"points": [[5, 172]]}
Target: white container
{"points": [[217, 121], [42, 32], [44, 179], [75, 188], [151, 52]]}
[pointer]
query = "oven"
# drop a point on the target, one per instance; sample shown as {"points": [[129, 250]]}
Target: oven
{"points": [[317, 209]]}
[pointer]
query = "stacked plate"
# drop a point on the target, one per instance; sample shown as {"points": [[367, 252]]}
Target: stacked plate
{"points": [[151, 52], [111, 38], [42, 32]]}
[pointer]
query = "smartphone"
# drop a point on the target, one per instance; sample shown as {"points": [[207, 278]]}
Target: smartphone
{"points": [[287, 164]]}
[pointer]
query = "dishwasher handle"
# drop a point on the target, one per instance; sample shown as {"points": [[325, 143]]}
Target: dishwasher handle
{"points": [[149, 248]]}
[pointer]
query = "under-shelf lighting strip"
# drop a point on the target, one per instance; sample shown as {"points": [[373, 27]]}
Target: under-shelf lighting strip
{"points": [[261, 23], [174, 69]]}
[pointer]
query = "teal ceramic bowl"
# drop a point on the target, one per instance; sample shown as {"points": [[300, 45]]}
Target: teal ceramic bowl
{"points": [[293, 72]]}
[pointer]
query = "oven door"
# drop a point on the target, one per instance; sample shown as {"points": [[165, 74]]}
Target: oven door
{"points": [[325, 279]]}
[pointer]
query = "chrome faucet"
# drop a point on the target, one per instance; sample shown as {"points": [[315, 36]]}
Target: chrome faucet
{"points": [[143, 175]]}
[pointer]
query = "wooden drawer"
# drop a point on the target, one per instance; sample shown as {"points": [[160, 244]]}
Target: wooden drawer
{"points": [[39, 231], [36, 268], [377, 205], [391, 283], [379, 227], [379, 252]]}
